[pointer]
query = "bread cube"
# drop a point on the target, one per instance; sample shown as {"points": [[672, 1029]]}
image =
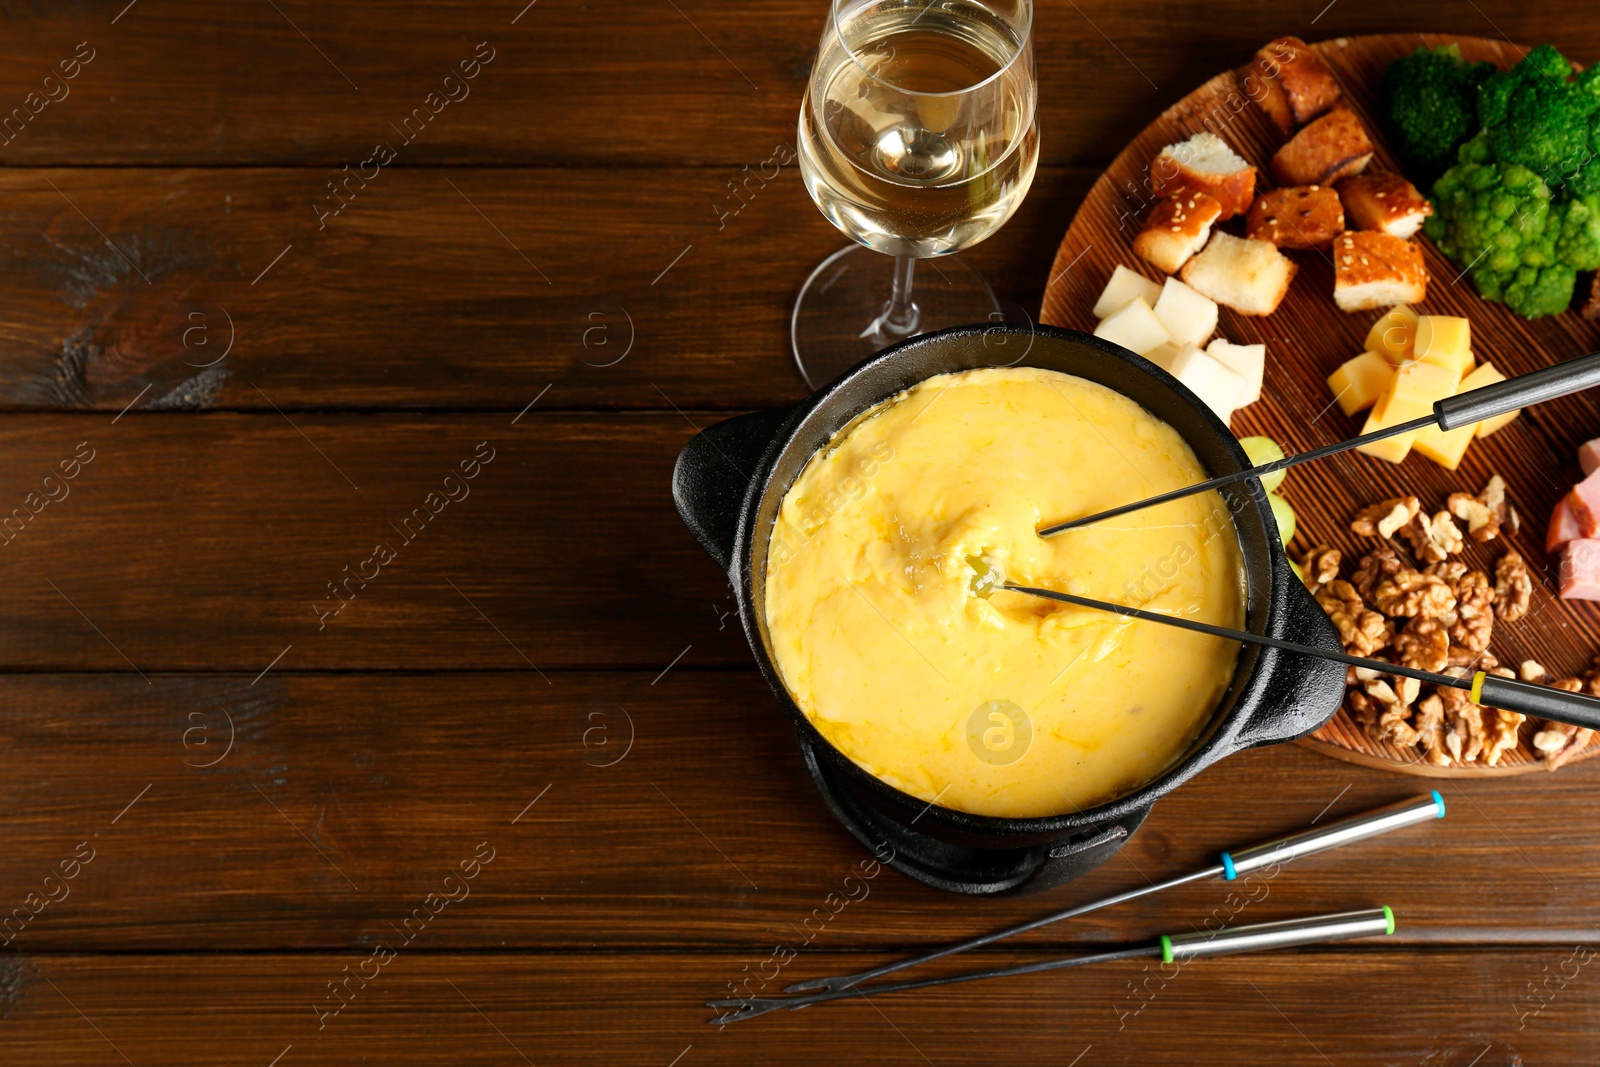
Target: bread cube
{"points": [[1307, 83], [1176, 229], [1393, 336], [1309, 216], [1383, 202], [1445, 340], [1247, 361], [1204, 164], [1135, 328], [1189, 317], [1125, 285], [1333, 147], [1251, 277], [1359, 382], [1373, 270], [1261, 85], [1482, 376], [1218, 387]]}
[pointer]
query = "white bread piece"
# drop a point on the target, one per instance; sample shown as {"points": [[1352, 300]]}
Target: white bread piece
{"points": [[1135, 328], [1220, 388], [1176, 229], [1124, 287], [1205, 164], [1189, 317], [1247, 361], [1248, 276], [1374, 270]]}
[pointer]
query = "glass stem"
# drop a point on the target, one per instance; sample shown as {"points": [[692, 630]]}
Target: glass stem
{"points": [[900, 316]]}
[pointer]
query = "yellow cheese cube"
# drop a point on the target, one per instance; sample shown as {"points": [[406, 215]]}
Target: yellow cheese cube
{"points": [[1487, 375], [1393, 334], [1393, 449], [1445, 447], [1446, 341], [1359, 382], [1417, 386]]}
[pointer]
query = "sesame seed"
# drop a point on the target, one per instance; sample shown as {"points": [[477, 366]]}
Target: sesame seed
{"points": [[1177, 229], [1381, 195]]}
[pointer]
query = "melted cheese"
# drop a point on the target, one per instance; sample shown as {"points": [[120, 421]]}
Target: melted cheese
{"points": [[999, 703]]}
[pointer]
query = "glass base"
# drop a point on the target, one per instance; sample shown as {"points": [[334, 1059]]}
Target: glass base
{"points": [[839, 318]]}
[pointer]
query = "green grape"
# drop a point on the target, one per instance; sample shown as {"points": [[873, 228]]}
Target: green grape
{"points": [[1264, 450], [1282, 512], [1298, 573]]}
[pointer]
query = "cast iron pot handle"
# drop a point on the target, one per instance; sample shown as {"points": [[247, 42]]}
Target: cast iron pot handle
{"points": [[713, 472], [1304, 692]]}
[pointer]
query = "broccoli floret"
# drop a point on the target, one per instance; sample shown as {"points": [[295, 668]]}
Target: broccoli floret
{"points": [[1430, 103], [1497, 221], [1536, 291], [1578, 245], [1539, 116]]}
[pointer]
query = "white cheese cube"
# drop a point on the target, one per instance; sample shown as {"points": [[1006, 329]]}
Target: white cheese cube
{"points": [[1189, 317], [1220, 388], [1124, 288], [1247, 361], [1135, 328], [1164, 355]]}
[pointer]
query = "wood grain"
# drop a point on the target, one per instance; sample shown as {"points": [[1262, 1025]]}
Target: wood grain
{"points": [[637, 83], [704, 831], [1308, 337], [433, 289], [204, 542], [610, 1009]]}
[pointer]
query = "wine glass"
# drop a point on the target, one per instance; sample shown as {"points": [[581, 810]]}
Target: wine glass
{"points": [[917, 139]]}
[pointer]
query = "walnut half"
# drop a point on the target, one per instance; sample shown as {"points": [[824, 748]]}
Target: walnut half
{"points": [[1382, 520], [1513, 587], [1433, 540]]}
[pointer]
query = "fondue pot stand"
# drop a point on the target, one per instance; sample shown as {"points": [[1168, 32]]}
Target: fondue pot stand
{"points": [[730, 481]]}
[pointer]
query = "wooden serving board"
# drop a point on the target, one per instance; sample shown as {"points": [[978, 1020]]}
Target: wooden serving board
{"points": [[1308, 336]]}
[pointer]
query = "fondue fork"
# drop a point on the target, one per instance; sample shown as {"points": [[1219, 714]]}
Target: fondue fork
{"points": [[1508, 694], [1170, 948], [1232, 864], [1451, 413]]}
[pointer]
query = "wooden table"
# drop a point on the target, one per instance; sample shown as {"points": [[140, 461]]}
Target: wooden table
{"points": [[515, 793]]}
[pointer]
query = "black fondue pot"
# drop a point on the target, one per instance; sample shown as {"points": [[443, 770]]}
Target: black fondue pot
{"points": [[731, 479]]}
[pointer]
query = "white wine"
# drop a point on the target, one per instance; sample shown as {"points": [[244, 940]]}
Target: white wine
{"points": [[919, 139]]}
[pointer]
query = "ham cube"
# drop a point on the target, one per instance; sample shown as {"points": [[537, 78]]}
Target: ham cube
{"points": [[1563, 527], [1589, 456], [1580, 570], [1585, 498]]}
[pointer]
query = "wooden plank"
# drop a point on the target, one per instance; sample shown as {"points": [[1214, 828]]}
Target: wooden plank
{"points": [[344, 800], [1459, 1009], [636, 82], [216, 541], [618, 288]]}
